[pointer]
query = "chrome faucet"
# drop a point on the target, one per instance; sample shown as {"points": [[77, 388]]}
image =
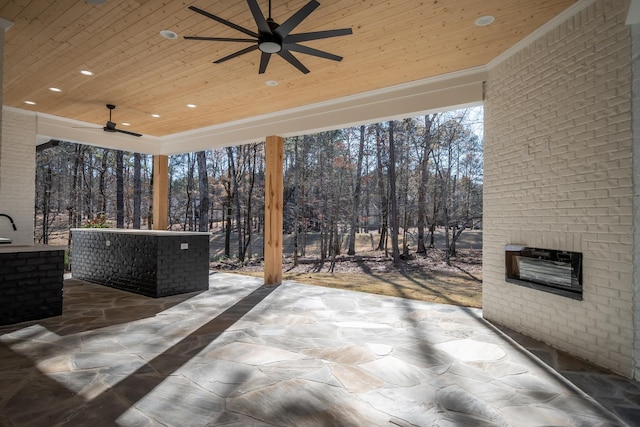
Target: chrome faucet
{"points": [[13, 224]]}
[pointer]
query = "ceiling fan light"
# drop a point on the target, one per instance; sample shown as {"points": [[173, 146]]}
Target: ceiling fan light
{"points": [[269, 47]]}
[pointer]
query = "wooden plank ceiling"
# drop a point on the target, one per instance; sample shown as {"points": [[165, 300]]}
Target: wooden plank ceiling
{"points": [[143, 73]]}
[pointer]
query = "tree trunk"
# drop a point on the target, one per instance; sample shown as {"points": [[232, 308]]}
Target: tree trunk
{"points": [[236, 200], [249, 212], [296, 211], [87, 179], [188, 214], [382, 190], [392, 195], [76, 199], [424, 180], [137, 190], [119, 189], [203, 187], [229, 205], [46, 203], [356, 195], [102, 176], [227, 230]]}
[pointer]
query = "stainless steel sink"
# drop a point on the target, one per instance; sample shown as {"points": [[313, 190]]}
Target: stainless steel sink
{"points": [[5, 241]]}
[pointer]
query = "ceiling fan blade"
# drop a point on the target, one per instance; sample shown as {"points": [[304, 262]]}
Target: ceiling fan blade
{"points": [[224, 21], [264, 61], [263, 26], [128, 132], [220, 39], [238, 53], [311, 51], [295, 19], [316, 35], [288, 56]]}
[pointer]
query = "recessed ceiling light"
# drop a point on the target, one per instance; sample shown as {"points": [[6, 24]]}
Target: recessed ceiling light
{"points": [[55, 89], [191, 105], [483, 21], [168, 34], [155, 115], [86, 72], [271, 83], [30, 102]]}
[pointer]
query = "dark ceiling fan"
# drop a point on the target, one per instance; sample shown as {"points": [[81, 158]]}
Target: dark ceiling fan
{"points": [[275, 38], [111, 126]]}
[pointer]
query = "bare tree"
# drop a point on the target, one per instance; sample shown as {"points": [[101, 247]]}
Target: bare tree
{"points": [[102, 179], [119, 189], [356, 194], [393, 196], [137, 190], [382, 192], [203, 187], [424, 153]]}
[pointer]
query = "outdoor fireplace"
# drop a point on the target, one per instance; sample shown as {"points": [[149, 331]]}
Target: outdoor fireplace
{"points": [[549, 270]]}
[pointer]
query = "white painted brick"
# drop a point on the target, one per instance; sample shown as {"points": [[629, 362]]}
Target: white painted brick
{"points": [[558, 174], [17, 175]]}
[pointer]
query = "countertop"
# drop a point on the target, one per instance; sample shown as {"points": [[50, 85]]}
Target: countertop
{"points": [[162, 233], [11, 249]]}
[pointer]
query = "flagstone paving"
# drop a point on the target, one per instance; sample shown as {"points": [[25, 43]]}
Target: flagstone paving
{"points": [[242, 354]]}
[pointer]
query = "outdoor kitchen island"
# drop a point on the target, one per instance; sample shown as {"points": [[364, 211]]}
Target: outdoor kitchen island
{"points": [[31, 281], [154, 263]]}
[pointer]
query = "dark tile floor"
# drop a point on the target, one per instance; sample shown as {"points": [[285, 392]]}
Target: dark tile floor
{"points": [[241, 354]]}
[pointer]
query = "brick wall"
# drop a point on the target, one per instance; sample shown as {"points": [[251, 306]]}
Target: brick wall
{"points": [[181, 271], [151, 264], [31, 285], [17, 175], [558, 175], [635, 46]]}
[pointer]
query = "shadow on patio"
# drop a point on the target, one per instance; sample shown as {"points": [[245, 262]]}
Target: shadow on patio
{"points": [[244, 354]]}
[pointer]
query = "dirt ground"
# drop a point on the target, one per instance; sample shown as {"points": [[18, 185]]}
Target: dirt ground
{"points": [[425, 278]]}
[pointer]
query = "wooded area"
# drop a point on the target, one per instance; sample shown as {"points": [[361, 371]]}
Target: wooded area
{"points": [[396, 178]]}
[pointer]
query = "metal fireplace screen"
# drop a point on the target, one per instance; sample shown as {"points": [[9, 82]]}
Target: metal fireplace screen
{"points": [[558, 272]]}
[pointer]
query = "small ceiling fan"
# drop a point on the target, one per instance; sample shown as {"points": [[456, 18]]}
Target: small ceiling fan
{"points": [[111, 126], [273, 38]]}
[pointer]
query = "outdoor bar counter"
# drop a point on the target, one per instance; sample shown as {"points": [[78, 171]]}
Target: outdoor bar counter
{"points": [[31, 279], [154, 263]]}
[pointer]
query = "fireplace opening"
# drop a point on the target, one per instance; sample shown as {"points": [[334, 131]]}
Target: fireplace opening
{"points": [[549, 270]]}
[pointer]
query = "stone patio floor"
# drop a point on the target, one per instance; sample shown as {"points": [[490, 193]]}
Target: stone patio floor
{"points": [[241, 354]]}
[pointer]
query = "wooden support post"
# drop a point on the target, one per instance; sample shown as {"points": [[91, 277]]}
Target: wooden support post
{"points": [[273, 210], [160, 192]]}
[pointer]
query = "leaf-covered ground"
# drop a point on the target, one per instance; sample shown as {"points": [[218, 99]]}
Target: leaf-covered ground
{"points": [[425, 278]]}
